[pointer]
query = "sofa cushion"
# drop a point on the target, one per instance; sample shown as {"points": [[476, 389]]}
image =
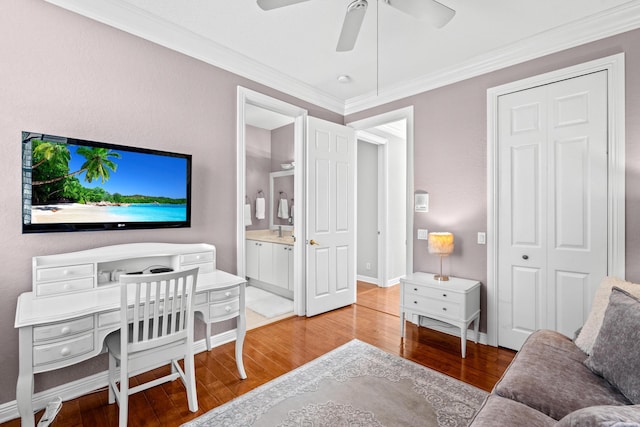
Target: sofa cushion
{"points": [[548, 374], [603, 416], [587, 336], [498, 411], [616, 351]]}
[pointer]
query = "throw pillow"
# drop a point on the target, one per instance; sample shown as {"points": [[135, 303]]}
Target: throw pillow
{"points": [[591, 327], [604, 416], [615, 352]]}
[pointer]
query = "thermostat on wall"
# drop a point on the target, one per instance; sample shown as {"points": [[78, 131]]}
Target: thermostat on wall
{"points": [[422, 202]]}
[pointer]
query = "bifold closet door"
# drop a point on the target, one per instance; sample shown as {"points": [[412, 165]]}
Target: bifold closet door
{"points": [[552, 209]]}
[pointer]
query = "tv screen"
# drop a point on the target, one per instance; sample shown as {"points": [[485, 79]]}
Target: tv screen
{"points": [[78, 185]]}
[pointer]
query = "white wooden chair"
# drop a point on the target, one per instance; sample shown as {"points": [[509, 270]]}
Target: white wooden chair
{"points": [[156, 312]]}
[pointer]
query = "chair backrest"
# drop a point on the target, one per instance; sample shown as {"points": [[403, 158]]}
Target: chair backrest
{"points": [[159, 309]]}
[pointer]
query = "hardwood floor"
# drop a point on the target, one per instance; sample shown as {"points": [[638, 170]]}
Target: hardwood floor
{"points": [[276, 349]]}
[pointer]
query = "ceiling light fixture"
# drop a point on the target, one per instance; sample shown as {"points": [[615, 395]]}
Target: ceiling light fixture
{"points": [[343, 78]]}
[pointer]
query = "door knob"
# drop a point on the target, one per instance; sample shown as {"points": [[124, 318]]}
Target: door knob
{"points": [[525, 256], [313, 242]]}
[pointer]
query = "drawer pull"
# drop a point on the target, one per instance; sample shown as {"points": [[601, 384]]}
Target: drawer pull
{"points": [[227, 294], [227, 309], [65, 330], [65, 351], [415, 289], [415, 302], [444, 308], [444, 295]]}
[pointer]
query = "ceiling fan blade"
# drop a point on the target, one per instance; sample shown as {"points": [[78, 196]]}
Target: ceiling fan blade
{"points": [[436, 13], [274, 4], [351, 25]]}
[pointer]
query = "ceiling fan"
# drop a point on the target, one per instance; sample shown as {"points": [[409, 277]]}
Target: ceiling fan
{"points": [[436, 13]]}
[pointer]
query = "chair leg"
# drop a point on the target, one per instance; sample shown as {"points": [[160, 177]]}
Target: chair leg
{"points": [[124, 393], [190, 382], [112, 373]]}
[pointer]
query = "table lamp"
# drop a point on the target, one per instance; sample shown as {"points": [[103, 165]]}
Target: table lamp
{"points": [[441, 244]]}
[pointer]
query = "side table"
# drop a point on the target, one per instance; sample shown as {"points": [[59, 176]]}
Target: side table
{"points": [[456, 302]]}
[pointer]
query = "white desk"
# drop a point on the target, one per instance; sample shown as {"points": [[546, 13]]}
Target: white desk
{"points": [[65, 319], [455, 301]]}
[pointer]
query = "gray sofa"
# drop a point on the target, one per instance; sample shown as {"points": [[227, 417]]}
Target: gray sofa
{"points": [[552, 382]]}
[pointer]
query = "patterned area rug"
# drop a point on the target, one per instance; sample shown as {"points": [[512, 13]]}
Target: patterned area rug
{"points": [[354, 385]]}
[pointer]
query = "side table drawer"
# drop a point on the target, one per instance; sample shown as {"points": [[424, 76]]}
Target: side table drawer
{"points": [[49, 353], [441, 294], [433, 307]]}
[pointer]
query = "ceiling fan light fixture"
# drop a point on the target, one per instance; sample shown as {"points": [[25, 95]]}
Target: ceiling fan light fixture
{"points": [[436, 13], [274, 4], [351, 25]]}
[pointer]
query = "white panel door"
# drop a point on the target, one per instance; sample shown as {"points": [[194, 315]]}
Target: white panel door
{"points": [[330, 188], [552, 205]]}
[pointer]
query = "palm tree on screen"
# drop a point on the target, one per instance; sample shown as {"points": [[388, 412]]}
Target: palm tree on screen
{"points": [[98, 162]]}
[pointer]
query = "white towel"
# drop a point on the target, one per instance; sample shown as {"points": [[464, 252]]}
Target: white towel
{"points": [[283, 209], [260, 208], [291, 214], [247, 214]]}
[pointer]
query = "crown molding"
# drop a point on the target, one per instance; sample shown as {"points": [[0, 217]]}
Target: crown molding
{"points": [[123, 16], [130, 19], [615, 21]]}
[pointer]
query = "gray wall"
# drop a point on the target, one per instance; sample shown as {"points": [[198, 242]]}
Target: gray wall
{"points": [[258, 166], [450, 155], [367, 221], [64, 74]]}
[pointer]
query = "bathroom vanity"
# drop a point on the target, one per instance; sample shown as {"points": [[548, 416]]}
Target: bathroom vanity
{"points": [[269, 260]]}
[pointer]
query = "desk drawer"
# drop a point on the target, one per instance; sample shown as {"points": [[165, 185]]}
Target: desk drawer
{"points": [[224, 309], [439, 294], [224, 295], [433, 306], [64, 273], [62, 329], [54, 288], [49, 353], [202, 268], [196, 258]]}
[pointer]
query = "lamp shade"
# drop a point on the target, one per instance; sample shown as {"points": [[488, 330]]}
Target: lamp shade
{"points": [[440, 243]]}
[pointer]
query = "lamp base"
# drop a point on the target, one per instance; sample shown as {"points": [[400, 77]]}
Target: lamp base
{"points": [[440, 277]]}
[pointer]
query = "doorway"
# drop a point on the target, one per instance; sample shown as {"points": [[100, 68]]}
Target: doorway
{"points": [[388, 139], [269, 143], [550, 314]]}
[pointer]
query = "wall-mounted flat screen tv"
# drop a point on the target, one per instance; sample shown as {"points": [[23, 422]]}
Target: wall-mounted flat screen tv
{"points": [[78, 185]]}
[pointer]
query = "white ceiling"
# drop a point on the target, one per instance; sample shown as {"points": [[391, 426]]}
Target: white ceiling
{"points": [[292, 49]]}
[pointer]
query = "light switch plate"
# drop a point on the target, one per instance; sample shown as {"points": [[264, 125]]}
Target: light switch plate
{"points": [[423, 234], [482, 238]]}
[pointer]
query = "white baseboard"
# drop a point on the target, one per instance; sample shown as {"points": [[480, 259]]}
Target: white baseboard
{"points": [[74, 389], [394, 281], [372, 280]]}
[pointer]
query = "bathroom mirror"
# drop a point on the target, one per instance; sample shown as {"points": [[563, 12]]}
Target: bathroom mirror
{"points": [[281, 201]]}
